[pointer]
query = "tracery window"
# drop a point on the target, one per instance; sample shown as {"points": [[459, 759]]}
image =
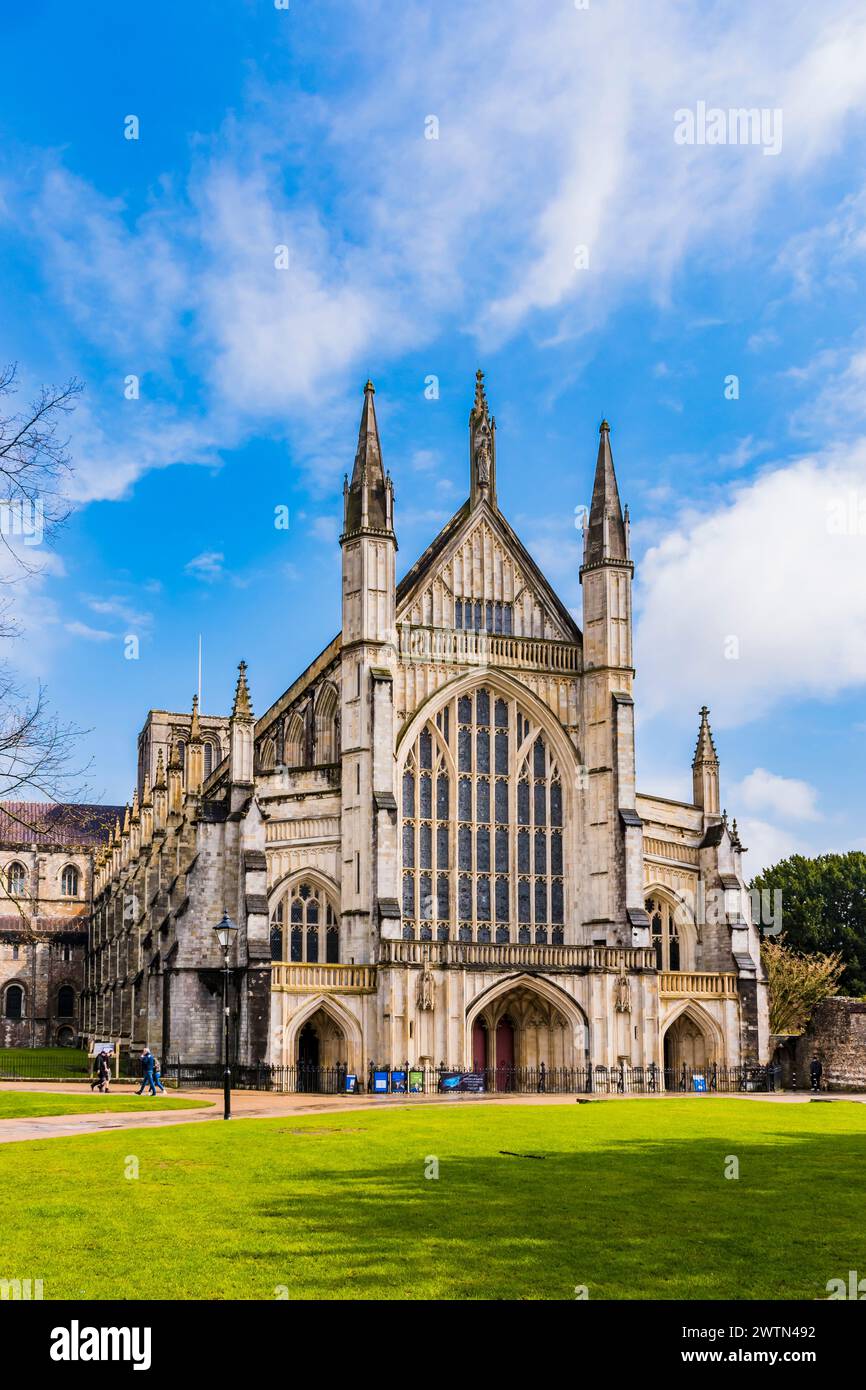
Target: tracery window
{"points": [[482, 855], [16, 879], [478, 615], [69, 882], [665, 933], [304, 927]]}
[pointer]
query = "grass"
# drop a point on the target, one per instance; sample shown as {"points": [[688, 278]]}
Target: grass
{"points": [[17, 1105], [57, 1062], [629, 1199]]}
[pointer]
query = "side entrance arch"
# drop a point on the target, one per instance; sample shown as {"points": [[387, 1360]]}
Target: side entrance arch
{"points": [[690, 1041]]}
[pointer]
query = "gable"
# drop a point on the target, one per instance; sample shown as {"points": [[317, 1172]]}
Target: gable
{"points": [[477, 559]]}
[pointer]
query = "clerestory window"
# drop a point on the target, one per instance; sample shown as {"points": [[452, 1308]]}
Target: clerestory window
{"points": [[478, 615]]}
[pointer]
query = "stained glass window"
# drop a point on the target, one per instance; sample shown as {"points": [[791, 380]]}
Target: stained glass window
{"points": [[313, 929], [482, 852]]}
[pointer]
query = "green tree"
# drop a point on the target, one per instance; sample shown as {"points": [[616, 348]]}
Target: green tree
{"points": [[797, 982], [824, 909]]}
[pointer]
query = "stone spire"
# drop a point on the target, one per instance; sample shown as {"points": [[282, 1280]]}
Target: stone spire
{"points": [[146, 811], [160, 795], [195, 726], [368, 501], [242, 731], [705, 768], [175, 779], [194, 753], [242, 707], [482, 447], [605, 537]]}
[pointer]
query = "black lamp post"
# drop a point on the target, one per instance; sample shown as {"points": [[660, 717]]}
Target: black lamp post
{"points": [[225, 931]]}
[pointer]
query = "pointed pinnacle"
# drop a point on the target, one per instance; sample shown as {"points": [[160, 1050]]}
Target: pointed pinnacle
{"points": [[606, 529], [242, 707], [705, 750], [159, 782], [195, 726]]}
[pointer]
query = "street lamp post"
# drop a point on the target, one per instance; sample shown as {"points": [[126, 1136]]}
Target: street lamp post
{"points": [[225, 931]]}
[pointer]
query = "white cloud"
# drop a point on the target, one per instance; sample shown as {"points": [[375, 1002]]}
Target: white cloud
{"points": [[761, 599], [544, 144], [90, 634], [767, 844], [208, 566], [788, 798]]}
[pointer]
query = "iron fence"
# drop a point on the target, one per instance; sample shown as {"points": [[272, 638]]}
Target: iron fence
{"points": [[542, 1080]]}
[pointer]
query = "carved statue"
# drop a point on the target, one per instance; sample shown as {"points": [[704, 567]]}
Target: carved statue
{"points": [[482, 457], [623, 995], [426, 988]]}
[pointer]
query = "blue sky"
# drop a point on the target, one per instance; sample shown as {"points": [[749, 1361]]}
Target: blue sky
{"points": [[411, 257]]}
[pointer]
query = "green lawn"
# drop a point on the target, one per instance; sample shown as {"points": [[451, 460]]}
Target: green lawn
{"points": [[629, 1199], [15, 1105], [56, 1062]]}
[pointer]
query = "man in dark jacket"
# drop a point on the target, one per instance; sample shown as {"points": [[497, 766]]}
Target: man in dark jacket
{"points": [[103, 1071], [816, 1071], [147, 1070]]}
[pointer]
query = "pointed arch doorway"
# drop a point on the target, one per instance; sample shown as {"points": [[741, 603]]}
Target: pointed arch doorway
{"points": [[689, 1047], [321, 1052]]}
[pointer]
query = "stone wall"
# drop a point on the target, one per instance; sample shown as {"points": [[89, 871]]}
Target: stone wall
{"points": [[837, 1036]]}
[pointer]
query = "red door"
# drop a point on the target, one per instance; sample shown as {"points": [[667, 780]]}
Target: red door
{"points": [[504, 1054], [479, 1047]]}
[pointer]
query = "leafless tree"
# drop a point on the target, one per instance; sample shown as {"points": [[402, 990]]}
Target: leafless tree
{"points": [[37, 749], [34, 463]]}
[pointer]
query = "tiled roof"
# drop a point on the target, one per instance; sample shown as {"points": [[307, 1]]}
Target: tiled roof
{"points": [[48, 822]]}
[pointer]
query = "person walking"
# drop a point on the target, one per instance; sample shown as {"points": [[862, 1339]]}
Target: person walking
{"points": [[816, 1071], [102, 1077], [147, 1072], [156, 1076]]}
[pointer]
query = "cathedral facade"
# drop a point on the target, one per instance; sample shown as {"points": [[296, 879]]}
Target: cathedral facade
{"points": [[433, 843]]}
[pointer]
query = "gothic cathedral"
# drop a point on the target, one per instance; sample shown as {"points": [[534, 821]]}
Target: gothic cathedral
{"points": [[433, 843]]}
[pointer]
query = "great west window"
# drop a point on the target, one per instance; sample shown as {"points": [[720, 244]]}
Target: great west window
{"points": [[482, 855]]}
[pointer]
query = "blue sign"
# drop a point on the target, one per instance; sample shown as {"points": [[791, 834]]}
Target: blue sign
{"points": [[699, 1083], [380, 1082], [398, 1082], [351, 1083], [462, 1081]]}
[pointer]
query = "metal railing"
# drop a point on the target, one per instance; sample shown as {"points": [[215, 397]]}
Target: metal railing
{"points": [[541, 1080]]}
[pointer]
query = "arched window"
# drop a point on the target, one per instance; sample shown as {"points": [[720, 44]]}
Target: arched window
{"points": [[294, 741], [207, 753], [14, 1004], [304, 927], [482, 805], [16, 879], [665, 933], [267, 755], [66, 1002], [181, 752], [326, 726], [69, 881]]}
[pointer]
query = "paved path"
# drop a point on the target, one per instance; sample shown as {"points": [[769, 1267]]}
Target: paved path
{"points": [[260, 1105]]}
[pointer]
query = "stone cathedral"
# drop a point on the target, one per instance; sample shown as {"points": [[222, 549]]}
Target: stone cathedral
{"points": [[433, 843]]}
